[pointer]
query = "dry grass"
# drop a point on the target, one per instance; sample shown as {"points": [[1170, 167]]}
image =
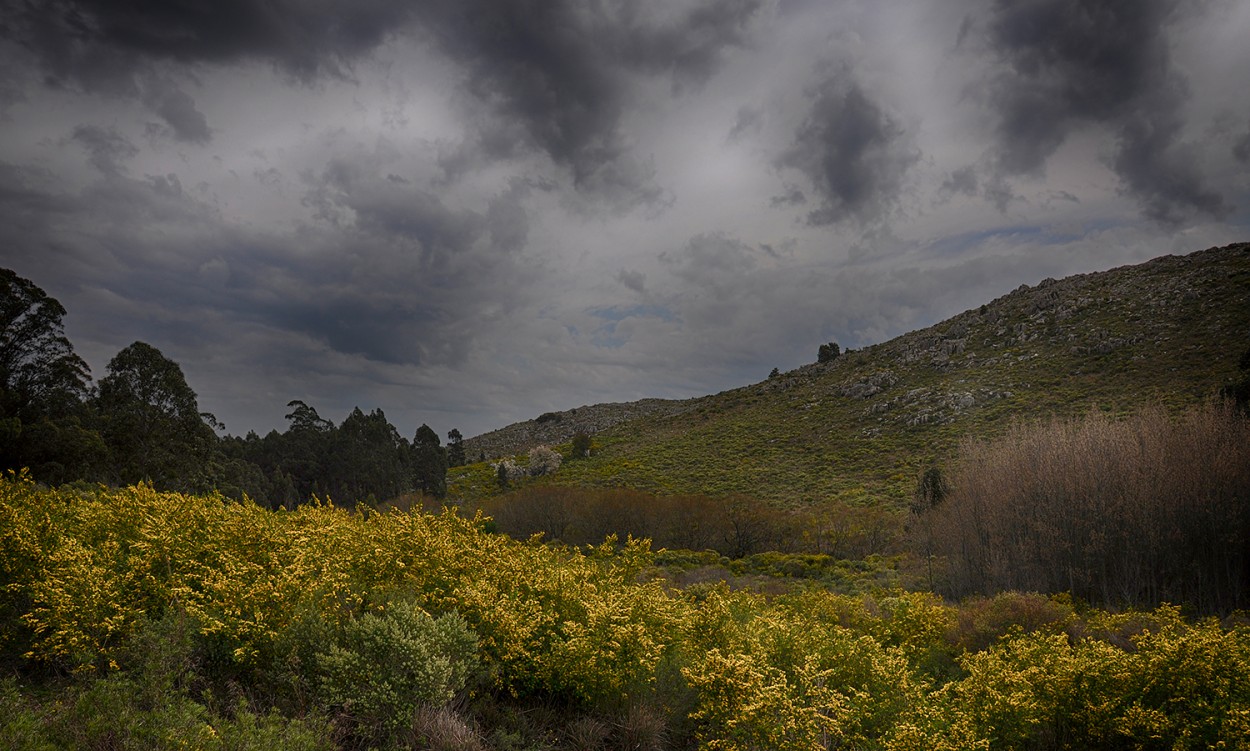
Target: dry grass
{"points": [[1139, 511], [442, 729]]}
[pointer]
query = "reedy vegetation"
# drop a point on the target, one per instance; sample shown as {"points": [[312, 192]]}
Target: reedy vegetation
{"points": [[267, 607], [1151, 508]]}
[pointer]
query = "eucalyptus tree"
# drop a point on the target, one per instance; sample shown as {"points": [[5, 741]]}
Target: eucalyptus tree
{"points": [[151, 421], [43, 387]]}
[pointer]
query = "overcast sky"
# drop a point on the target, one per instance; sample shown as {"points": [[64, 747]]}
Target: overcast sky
{"points": [[470, 212]]}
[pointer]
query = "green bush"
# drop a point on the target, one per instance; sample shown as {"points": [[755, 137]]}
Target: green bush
{"points": [[387, 665]]}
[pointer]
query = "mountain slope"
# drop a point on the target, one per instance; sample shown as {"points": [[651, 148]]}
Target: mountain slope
{"points": [[861, 428]]}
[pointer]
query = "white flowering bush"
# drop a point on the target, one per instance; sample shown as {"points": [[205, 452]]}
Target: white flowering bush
{"points": [[508, 471], [544, 461]]}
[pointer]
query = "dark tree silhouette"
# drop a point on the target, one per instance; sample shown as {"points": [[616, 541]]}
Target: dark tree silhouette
{"points": [[43, 386], [429, 463], [455, 449], [151, 421]]}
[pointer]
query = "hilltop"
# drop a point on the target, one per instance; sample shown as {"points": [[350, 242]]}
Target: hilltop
{"points": [[861, 427], [551, 428]]}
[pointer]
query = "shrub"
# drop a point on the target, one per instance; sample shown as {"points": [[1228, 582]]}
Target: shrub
{"points": [[388, 664], [543, 461], [581, 445], [508, 472]]}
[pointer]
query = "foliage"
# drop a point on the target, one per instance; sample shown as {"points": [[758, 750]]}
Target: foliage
{"points": [[164, 609], [429, 462], [151, 420], [828, 352], [733, 526], [543, 461], [388, 664], [367, 459], [43, 385], [40, 375], [455, 449], [581, 445]]}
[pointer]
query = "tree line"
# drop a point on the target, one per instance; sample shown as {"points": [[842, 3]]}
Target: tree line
{"points": [[142, 423]]}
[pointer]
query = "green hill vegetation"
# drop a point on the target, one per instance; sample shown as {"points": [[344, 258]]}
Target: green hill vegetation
{"points": [[861, 428]]}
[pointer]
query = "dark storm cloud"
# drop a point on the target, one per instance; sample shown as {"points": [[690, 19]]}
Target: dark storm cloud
{"points": [[391, 209], [107, 147], [634, 280], [555, 76], [398, 280], [1161, 172], [91, 43], [853, 152], [552, 76], [409, 271], [1067, 64], [1241, 148], [178, 110], [125, 49]]}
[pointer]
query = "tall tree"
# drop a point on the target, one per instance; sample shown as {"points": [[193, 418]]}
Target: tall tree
{"points": [[371, 459], [40, 376], [43, 386], [151, 421], [429, 463], [304, 451], [455, 449]]}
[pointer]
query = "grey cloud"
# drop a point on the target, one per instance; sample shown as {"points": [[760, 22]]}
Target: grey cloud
{"points": [[962, 181], [633, 280], [385, 208], [94, 43], [178, 110], [1067, 64], [107, 147], [125, 49], [749, 120], [793, 196], [853, 152], [406, 282], [1160, 172], [555, 76], [1241, 148], [715, 265]]}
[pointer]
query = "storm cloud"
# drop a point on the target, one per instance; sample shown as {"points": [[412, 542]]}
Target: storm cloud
{"points": [[558, 76], [469, 213], [1066, 65], [854, 154]]}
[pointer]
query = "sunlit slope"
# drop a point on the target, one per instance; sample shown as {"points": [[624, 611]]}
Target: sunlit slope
{"points": [[860, 428]]}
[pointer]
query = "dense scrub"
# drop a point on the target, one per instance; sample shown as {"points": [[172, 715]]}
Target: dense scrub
{"points": [[138, 619], [734, 526], [1152, 508]]}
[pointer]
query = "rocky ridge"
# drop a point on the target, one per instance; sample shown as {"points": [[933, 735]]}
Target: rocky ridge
{"points": [[551, 428]]}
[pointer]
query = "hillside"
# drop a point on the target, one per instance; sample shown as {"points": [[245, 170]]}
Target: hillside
{"points": [[552, 428], [861, 428]]}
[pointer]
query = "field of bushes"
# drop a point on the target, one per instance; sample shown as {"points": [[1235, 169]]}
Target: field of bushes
{"points": [[136, 619]]}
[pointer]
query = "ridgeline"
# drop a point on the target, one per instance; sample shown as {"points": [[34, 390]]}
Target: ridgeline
{"points": [[861, 428]]}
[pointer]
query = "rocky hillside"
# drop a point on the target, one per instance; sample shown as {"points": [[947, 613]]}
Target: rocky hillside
{"points": [[552, 428], [861, 428]]}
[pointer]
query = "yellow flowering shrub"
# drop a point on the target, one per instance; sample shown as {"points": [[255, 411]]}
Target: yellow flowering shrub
{"points": [[264, 593]]}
